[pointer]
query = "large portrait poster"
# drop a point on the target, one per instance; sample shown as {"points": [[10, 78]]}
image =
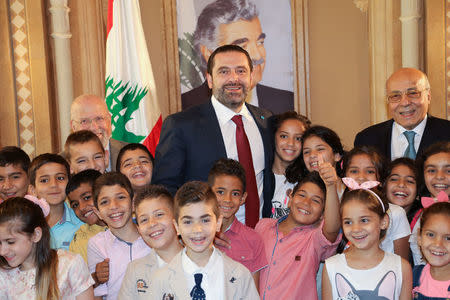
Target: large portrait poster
{"points": [[262, 27]]}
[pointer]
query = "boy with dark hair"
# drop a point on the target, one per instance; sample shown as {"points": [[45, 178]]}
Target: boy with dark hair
{"points": [[200, 271], [136, 162], [49, 174], [227, 180], [84, 150], [80, 195], [121, 243], [154, 216], [14, 164]]}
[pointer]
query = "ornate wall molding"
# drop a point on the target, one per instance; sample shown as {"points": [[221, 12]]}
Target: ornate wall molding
{"points": [[22, 75], [363, 5]]}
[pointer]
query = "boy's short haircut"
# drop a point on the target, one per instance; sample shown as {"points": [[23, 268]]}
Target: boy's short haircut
{"points": [[110, 179], [195, 192], [227, 166], [87, 176], [131, 147], [43, 159], [12, 155], [80, 137], [312, 177], [154, 191]]}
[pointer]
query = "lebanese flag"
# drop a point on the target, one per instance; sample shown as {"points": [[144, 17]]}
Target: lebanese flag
{"points": [[130, 86]]}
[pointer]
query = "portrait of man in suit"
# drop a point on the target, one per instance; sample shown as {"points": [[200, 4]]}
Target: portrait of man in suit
{"points": [[225, 22]]}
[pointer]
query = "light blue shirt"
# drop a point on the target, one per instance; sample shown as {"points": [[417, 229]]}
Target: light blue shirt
{"points": [[61, 234]]}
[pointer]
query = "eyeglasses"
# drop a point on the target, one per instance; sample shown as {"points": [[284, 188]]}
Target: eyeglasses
{"points": [[410, 94], [99, 120]]}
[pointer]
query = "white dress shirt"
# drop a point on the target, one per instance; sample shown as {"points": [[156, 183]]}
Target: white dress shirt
{"points": [[213, 282], [228, 129], [399, 142]]}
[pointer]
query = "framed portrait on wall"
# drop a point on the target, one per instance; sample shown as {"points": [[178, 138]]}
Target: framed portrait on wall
{"points": [[262, 27]]}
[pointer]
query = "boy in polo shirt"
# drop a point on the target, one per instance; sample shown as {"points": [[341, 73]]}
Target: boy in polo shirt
{"points": [[49, 174], [200, 271], [79, 192], [121, 243], [154, 216], [227, 180], [14, 164]]}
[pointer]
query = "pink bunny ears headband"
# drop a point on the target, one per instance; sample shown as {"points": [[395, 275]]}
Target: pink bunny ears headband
{"points": [[428, 201], [41, 202], [353, 185]]}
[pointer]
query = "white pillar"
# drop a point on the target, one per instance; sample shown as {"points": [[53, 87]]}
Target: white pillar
{"points": [[410, 16], [60, 32]]}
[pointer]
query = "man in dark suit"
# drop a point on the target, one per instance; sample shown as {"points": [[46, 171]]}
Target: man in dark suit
{"points": [[411, 130], [89, 112], [235, 22], [192, 140]]}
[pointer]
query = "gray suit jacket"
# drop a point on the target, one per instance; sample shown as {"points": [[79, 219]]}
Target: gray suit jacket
{"points": [[170, 281], [114, 148]]}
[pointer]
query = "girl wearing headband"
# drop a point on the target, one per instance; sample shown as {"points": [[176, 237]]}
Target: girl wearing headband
{"points": [[29, 269], [364, 270]]}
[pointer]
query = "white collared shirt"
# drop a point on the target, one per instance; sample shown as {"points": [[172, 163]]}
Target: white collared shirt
{"points": [[108, 148], [213, 282], [228, 129], [399, 142], [252, 98]]}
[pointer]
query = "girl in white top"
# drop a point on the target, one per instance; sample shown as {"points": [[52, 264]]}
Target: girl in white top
{"points": [[366, 164], [30, 269], [434, 172], [364, 270], [288, 130]]}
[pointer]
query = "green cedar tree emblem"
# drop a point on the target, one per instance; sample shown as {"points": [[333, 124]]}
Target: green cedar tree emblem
{"points": [[121, 110]]}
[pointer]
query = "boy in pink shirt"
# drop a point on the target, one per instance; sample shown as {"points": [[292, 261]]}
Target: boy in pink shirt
{"points": [[227, 180], [295, 244]]}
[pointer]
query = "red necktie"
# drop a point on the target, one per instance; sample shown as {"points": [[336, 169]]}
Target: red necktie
{"points": [[245, 158]]}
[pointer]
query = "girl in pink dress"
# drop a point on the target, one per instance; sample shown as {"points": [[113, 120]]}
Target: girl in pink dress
{"points": [[30, 269]]}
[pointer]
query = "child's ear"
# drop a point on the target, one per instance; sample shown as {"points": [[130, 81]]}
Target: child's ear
{"points": [[419, 239], [385, 222], [37, 235], [219, 223], [97, 212], [31, 190], [244, 196], [176, 226]]}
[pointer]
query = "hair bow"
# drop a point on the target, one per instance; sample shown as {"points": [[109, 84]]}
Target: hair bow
{"points": [[353, 185], [428, 201], [367, 185], [41, 202]]}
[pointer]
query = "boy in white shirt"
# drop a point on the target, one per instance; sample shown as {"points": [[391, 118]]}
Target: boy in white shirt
{"points": [[200, 271]]}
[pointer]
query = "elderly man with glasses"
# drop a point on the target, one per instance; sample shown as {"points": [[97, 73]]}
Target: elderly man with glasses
{"points": [[411, 130], [89, 112]]}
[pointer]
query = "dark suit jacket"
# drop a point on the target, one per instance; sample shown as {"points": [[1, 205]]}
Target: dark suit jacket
{"points": [[191, 141], [275, 100], [379, 135]]}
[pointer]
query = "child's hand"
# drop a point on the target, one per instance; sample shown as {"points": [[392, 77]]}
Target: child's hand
{"points": [[102, 271], [327, 172], [222, 241]]}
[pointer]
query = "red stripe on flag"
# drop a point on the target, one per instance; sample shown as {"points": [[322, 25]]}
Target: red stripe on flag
{"points": [[110, 17], [153, 138]]}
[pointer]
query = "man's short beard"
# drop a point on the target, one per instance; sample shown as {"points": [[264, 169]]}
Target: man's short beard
{"points": [[224, 97]]}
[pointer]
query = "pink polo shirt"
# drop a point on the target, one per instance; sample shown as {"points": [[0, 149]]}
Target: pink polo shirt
{"points": [[293, 260], [247, 247]]}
